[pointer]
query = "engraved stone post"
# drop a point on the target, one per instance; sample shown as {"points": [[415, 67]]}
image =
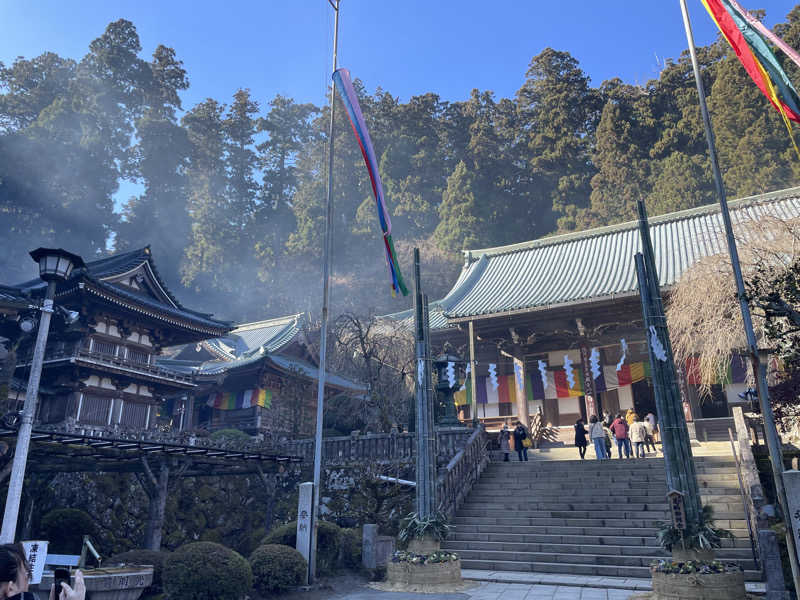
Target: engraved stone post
{"points": [[303, 543]]}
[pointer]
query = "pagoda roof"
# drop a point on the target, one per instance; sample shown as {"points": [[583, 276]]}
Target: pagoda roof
{"points": [[591, 265], [101, 278]]}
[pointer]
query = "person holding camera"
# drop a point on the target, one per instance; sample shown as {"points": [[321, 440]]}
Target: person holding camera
{"points": [[14, 570]]}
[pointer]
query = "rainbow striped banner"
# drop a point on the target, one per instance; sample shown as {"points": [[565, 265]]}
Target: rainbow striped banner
{"points": [[341, 78], [241, 399]]}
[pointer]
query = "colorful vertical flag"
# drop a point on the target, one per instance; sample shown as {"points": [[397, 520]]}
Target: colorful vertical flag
{"points": [[341, 78]]}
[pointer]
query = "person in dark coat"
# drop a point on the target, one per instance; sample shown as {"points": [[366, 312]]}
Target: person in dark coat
{"points": [[580, 437], [504, 438], [520, 434]]}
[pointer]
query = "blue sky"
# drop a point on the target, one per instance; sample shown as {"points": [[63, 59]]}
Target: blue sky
{"points": [[406, 47]]}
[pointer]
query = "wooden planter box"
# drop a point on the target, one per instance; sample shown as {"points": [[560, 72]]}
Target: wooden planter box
{"points": [[405, 573], [697, 586]]}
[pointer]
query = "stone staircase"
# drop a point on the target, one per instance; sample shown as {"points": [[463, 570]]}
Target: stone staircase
{"points": [[586, 517]]}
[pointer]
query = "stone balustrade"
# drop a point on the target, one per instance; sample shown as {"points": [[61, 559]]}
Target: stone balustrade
{"points": [[372, 447]]}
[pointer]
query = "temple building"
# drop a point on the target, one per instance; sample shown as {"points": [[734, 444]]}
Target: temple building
{"points": [[556, 323], [124, 354], [262, 377], [101, 370]]}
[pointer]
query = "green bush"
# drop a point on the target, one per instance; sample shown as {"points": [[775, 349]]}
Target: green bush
{"points": [[329, 543], [231, 435], [276, 568], [141, 556], [206, 571], [65, 528], [351, 548]]}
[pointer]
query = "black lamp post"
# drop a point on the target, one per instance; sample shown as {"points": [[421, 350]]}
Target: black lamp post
{"points": [[54, 265], [443, 390]]}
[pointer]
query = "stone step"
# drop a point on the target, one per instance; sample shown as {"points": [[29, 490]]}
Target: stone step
{"points": [[653, 550], [573, 569], [470, 527], [607, 509], [594, 466], [575, 559], [601, 495], [596, 478], [600, 471], [585, 514], [589, 540], [535, 503], [583, 522]]}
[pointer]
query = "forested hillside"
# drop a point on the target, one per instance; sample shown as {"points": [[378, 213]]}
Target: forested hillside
{"points": [[234, 188]]}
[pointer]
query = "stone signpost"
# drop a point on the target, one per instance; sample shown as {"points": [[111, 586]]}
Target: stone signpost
{"points": [[304, 501]]}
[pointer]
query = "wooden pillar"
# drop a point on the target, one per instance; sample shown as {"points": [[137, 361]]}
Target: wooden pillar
{"points": [[589, 388], [522, 400], [473, 378]]}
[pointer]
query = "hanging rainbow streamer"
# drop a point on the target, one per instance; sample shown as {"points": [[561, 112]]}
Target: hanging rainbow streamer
{"points": [[341, 78], [757, 58]]}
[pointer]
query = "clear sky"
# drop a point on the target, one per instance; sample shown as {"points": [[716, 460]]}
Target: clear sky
{"points": [[405, 47]]}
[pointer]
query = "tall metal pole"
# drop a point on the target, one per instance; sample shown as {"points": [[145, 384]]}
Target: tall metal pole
{"points": [[771, 432], [323, 340], [14, 496]]}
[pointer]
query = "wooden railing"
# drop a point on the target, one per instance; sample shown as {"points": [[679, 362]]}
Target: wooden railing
{"points": [[111, 359], [461, 473], [377, 447]]}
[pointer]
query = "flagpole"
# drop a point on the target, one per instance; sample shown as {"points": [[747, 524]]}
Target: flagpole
{"points": [[323, 340], [759, 373]]}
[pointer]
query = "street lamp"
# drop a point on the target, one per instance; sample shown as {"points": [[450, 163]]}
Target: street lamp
{"points": [[54, 265]]}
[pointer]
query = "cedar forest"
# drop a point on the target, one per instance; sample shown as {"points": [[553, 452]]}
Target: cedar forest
{"points": [[233, 190]]}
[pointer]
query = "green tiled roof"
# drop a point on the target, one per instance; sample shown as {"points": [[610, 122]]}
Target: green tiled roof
{"points": [[598, 263]]}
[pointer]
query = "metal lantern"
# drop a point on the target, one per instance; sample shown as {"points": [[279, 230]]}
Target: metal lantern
{"points": [[55, 263]]}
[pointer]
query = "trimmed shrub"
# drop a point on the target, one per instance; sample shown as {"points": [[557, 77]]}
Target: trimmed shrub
{"points": [[329, 543], [351, 548], [276, 568], [206, 571], [65, 528], [230, 435], [142, 556]]}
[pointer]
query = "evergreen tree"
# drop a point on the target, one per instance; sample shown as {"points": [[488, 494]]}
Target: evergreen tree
{"points": [[559, 113]]}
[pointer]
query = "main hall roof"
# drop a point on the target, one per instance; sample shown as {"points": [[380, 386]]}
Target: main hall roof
{"points": [[592, 265]]}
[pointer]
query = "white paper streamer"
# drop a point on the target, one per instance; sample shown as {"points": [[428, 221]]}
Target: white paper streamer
{"points": [[493, 375], [543, 373], [624, 345], [657, 346], [568, 369], [594, 363]]}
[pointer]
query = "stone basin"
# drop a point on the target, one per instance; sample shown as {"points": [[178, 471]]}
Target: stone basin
{"points": [[112, 583]]}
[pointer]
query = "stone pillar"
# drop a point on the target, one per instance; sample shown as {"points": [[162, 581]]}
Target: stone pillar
{"points": [[369, 542], [791, 481], [771, 565], [304, 500]]}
